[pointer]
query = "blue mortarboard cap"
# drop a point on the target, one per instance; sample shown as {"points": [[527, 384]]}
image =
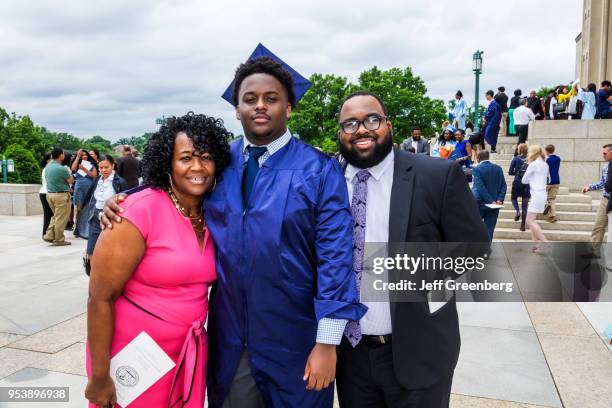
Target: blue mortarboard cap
{"points": [[300, 84]]}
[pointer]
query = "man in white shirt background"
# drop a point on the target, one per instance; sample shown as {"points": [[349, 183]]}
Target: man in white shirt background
{"points": [[522, 116]]}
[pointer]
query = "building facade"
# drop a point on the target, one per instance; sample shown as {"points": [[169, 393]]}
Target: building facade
{"points": [[593, 45]]}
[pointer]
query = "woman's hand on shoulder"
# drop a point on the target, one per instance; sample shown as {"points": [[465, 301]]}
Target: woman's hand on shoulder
{"points": [[111, 212]]}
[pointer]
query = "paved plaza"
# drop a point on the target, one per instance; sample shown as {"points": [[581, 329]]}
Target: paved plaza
{"points": [[512, 355]]}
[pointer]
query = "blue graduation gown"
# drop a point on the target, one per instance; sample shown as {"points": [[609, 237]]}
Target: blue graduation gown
{"points": [[460, 113], [493, 116], [283, 263]]}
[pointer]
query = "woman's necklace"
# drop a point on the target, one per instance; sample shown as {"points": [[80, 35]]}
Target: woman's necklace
{"points": [[197, 220]]}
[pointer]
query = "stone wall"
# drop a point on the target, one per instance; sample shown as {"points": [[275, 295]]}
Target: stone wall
{"points": [[19, 199], [578, 143]]}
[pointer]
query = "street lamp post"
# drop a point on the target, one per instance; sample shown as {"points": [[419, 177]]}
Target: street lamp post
{"points": [[4, 170], [477, 68]]}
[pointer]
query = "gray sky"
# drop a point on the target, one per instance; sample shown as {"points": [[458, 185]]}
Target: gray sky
{"points": [[112, 67]]}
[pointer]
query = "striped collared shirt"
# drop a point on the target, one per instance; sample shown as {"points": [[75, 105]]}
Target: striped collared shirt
{"points": [[600, 185], [272, 148]]}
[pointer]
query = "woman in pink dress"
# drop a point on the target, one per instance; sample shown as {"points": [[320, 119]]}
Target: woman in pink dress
{"points": [[152, 273]]}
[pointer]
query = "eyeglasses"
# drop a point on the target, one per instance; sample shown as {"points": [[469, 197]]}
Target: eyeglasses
{"points": [[372, 122]]}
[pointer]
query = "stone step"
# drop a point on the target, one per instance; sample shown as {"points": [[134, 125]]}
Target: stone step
{"points": [[502, 156], [561, 215], [574, 207], [505, 163], [550, 226], [507, 140], [515, 233], [565, 198]]}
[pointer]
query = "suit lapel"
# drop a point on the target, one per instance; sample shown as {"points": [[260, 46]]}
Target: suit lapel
{"points": [[400, 206], [401, 197]]}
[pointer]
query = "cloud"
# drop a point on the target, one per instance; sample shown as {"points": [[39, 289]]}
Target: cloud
{"points": [[112, 68]]}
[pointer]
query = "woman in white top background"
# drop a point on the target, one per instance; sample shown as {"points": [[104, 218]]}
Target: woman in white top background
{"points": [[536, 176], [42, 194], [106, 185]]}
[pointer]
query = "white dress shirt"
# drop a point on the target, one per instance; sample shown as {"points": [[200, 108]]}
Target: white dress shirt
{"points": [[522, 115], [43, 178], [104, 190], [377, 320]]}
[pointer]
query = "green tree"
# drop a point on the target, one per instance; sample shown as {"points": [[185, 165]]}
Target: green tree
{"points": [[137, 141], [404, 95], [20, 130], [316, 117], [98, 143], [544, 91], [61, 139], [27, 169]]}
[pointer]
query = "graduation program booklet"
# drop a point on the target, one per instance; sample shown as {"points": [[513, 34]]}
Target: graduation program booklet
{"points": [[87, 165], [494, 206], [138, 366]]}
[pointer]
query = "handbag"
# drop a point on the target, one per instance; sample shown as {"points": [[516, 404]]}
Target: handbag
{"points": [[559, 107]]}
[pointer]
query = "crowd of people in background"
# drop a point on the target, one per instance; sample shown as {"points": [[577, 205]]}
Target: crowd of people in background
{"points": [[75, 186], [536, 171]]}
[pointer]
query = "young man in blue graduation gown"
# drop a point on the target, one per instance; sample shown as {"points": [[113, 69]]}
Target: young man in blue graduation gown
{"points": [[492, 117], [282, 225]]}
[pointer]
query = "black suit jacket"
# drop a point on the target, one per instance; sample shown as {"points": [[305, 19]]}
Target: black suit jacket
{"points": [[430, 202]]}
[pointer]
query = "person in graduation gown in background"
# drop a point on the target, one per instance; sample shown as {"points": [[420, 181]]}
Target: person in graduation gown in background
{"points": [[492, 117], [460, 111], [281, 222]]}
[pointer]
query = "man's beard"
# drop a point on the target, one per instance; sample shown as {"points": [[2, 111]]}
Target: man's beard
{"points": [[381, 150]]}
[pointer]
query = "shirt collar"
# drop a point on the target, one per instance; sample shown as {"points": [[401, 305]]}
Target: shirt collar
{"points": [[376, 171], [109, 178], [273, 146]]}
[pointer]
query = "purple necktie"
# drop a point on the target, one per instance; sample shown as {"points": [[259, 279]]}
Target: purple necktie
{"points": [[358, 210]]}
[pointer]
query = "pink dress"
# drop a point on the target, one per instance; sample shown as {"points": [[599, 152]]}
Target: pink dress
{"points": [[167, 297]]}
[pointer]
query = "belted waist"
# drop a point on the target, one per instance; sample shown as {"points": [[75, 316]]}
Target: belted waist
{"points": [[191, 352], [376, 340]]}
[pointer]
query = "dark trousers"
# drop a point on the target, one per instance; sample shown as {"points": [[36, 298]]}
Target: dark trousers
{"points": [[365, 379], [489, 217], [522, 131], [47, 212], [523, 210], [94, 232]]}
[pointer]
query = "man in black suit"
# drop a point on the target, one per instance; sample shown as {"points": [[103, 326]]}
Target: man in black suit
{"points": [[400, 354], [502, 99]]}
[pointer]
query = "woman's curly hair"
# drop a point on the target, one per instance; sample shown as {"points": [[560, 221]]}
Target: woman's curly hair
{"points": [[207, 134]]}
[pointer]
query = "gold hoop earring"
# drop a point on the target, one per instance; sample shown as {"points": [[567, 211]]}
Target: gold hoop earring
{"points": [[214, 185]]}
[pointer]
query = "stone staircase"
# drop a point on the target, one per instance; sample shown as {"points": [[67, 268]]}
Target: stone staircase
{"points": [[575, 211]]}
